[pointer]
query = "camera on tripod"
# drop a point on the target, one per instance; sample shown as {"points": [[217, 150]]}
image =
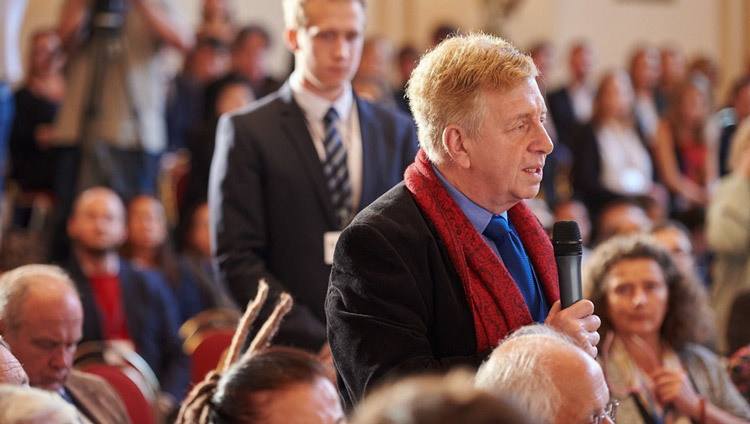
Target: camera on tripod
{"points": [[108, 16]]}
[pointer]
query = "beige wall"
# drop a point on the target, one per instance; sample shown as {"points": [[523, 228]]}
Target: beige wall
{"points": [[713, 27]]}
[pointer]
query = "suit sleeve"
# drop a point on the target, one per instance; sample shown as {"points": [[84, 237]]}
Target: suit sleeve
{"points": [[379, 317], [238, 229]]}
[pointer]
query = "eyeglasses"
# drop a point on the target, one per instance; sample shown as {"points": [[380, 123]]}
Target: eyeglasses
{"points": [[610, 411]]}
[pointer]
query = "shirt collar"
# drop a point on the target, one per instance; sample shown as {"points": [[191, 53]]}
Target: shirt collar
{"points": [[478, 216], [315, 106]]}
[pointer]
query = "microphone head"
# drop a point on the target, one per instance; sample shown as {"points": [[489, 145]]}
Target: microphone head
{"points": [[566, 238]]}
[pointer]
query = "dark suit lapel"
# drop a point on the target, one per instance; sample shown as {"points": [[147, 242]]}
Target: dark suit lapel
{"points": [[293, 122]]}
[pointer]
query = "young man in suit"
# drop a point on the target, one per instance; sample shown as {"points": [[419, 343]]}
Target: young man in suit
{"points": [[291, 171], [42, 318]]}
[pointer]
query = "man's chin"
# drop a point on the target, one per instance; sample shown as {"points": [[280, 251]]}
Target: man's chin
{"points": [[52, 385]]}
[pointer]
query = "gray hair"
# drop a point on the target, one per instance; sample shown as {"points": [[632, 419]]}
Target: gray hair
{"points": [[521, 371], [3, 343], [28, 405], [14, 288]]}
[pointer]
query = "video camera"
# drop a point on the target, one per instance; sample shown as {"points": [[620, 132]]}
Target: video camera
{"points": [[108, 15]]}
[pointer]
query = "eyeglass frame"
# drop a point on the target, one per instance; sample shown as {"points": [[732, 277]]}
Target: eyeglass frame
{"points": [[610, 411]]}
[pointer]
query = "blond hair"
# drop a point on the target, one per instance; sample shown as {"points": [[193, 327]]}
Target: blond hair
{"points": [[295, 15], [447, 86]]}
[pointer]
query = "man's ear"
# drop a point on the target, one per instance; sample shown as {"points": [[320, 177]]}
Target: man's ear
{"points": [[290, 39], [454, 141]]}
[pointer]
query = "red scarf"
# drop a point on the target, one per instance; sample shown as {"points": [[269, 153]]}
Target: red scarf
{"points": [[496, 302]]}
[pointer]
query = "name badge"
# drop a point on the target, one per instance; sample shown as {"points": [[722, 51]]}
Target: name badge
{"points": [[329, 245]]}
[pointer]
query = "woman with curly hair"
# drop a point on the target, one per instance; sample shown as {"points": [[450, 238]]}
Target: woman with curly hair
{"points": [[654, 319]]}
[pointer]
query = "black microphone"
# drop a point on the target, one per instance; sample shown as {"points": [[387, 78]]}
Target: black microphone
{"points": [[566, 241]]}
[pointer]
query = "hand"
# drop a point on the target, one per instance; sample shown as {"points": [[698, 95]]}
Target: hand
{"points": [[672, 387], [577, 321]]}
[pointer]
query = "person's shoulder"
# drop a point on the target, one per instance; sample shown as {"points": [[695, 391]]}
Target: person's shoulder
{"points": [[384, 114], [693, 352], [395, 214]]}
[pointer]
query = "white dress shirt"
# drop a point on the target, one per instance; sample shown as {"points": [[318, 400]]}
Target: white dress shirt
{"points": [[315, 108]]}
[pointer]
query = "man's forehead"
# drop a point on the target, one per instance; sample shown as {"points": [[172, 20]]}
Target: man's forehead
{"points": [[325, 15]]}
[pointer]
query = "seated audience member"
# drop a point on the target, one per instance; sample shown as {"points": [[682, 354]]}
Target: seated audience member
{"points": [[42, 318], [11, 371], [554, 380], [217, 21], [433, 399], [571, 105], [206, 62], [250, 59], [270, 385], [684, 152], [644, 70], [224, 95], [619, 217], [33, 159], [27, 405], [740, 109], [653, 321], [728, 233], [371, 81], [611, 158], [675, 237], [408, 58], [148, 248], [673, 71], [120, 302], [195, 246]]}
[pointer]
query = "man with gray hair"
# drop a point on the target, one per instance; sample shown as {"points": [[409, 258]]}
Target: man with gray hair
{"points": [[550, 376], [41, 317]]}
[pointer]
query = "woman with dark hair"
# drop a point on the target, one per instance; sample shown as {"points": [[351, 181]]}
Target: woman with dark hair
{"points": [[149, 248], [653, 321], [194, 243], [269, 385], [611, 158], [685, 150]]}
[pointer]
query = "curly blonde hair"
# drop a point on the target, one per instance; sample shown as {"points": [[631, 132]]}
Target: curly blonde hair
{"points": [[688, 318], [448, 84]]}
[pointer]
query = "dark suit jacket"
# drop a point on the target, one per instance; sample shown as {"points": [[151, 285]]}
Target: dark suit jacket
{"points": [[95, 399], [153, 320], [395, 303], [561, 108], [270, 207]]}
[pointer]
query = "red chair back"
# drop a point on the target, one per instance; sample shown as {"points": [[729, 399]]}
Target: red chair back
{"points": [[125, 381], [208, 351]]}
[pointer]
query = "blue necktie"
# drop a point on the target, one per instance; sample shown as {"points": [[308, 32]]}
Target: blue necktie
{"points": [[335, 170], [514, 257]]}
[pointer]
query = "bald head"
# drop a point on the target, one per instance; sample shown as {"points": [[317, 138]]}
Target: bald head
{"points": [[97, 223], [555, 380], [41, 317]]}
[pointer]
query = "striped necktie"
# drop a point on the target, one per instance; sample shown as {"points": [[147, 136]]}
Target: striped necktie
{"points": [[335, 170]]}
